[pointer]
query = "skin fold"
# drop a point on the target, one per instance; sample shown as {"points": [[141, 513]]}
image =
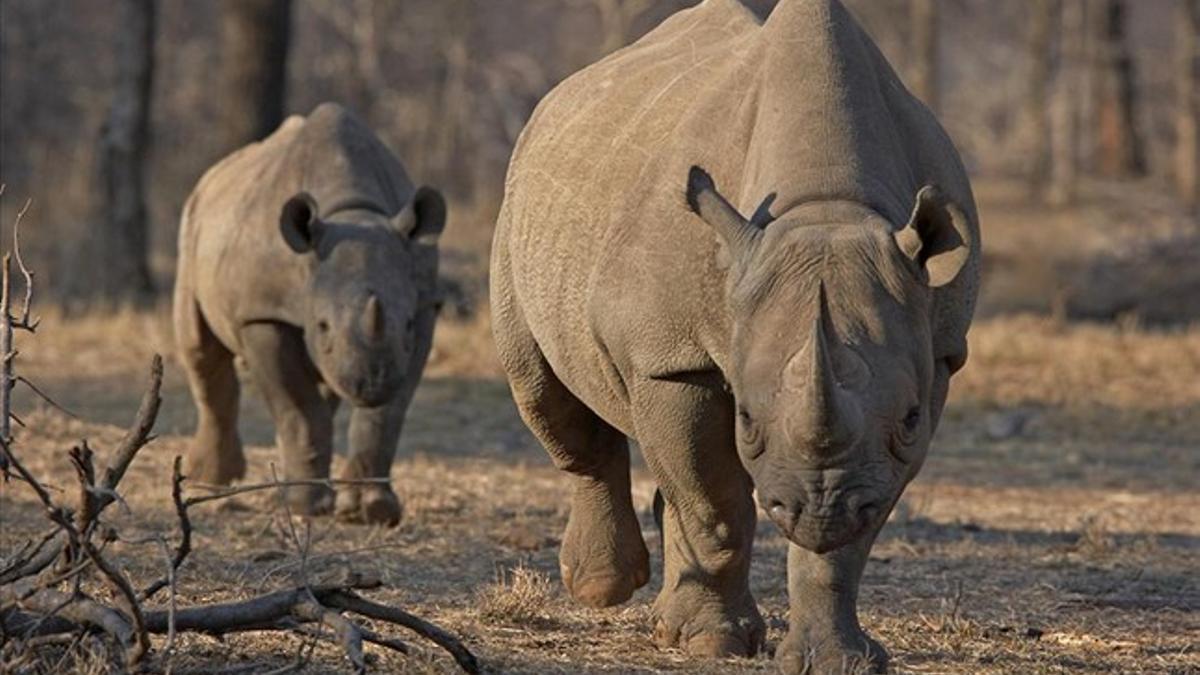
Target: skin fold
{"points": [[312, 259], [744, 244]]}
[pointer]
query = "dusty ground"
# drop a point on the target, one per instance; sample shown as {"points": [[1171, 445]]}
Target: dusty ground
{"points": [[1055, 528]]}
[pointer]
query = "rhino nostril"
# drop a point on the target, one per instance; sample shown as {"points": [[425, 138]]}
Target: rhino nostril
{"points": [[868, 512], [781, 514]]}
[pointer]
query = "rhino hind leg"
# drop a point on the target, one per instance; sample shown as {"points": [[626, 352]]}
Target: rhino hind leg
{"points": [[215, 455], [603, 558], [708, 518]]}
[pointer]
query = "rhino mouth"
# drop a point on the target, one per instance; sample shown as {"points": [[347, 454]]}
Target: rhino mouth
{"points": [[825, 535], [821, 531]]}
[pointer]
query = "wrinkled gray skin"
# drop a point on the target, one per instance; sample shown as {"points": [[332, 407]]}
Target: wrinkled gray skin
{"points": [[803, 351], [311, 257]]}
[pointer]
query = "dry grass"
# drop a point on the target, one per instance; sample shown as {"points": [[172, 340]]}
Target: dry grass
{"points": [[1066, 546], [1045, 361], [519, 596]]}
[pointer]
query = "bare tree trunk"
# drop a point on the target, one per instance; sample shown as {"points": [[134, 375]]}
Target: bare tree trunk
{"points": [[1039, 52], [1187, 116], [1065, 108], [116, 269], [923, 15], [1119, 145], [254, 46]]}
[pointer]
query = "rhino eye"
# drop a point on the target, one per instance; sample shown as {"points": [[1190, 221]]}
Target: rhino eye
{"points": [[748, 433], [323, 326], [912, 420]]}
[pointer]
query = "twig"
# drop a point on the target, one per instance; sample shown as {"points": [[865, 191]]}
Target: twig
{"points": [[6, 367], [85, 472], [172, 565], [225, 493], [121, 584], [81, 457], [185, 537], [45, 397], [138, 434], [38, 488], [23, 323]]}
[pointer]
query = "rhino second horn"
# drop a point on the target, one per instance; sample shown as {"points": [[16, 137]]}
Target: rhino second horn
{"points": [[373, 320], [828, 419]]}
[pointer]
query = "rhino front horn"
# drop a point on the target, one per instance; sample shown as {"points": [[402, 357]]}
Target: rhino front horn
{"points": [[373, 321], [827, 419]]}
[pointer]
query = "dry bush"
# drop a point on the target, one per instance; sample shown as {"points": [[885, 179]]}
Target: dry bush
{"points": [[1026, 359], [518, 596]]}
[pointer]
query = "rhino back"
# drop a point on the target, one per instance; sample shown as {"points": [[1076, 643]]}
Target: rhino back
{"points": [[613, 274], [239, 268]]}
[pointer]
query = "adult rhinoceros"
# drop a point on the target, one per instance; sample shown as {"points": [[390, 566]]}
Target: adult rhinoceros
{"points": [[804, 351], [313, 258]]}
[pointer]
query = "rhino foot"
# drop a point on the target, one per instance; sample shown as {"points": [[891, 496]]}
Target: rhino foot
{"points": [[309, 500], [603, 558], [374, 505], [213, 466], [705, 628], [829, 651]]}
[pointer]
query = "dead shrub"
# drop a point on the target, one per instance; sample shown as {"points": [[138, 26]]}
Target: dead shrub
{"points": [[518, 596]]}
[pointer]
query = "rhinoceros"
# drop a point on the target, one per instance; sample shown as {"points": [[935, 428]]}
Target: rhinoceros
{"points": [[744, 244], [311, 258]]}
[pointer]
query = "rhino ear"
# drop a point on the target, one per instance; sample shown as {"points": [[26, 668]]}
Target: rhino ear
{"points": [[936, 237], [738, 234], [423, 218], [299, 224]]}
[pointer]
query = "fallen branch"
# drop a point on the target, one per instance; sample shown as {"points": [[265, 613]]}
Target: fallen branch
{"points": [[273, 611]]}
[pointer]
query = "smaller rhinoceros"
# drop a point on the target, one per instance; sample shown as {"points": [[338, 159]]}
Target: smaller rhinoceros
{"points": [[311, 258]]}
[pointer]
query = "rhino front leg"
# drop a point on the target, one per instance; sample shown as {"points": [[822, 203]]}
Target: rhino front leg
{"points": [[216, 454], [289, 382], [374, 433], [824, 634], [705, 606]]}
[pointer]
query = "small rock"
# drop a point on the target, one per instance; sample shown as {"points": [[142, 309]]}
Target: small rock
{"points": [[1034, 633]]}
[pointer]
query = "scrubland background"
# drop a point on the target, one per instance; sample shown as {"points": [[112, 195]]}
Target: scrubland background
{"points": [[1055, 527]]}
